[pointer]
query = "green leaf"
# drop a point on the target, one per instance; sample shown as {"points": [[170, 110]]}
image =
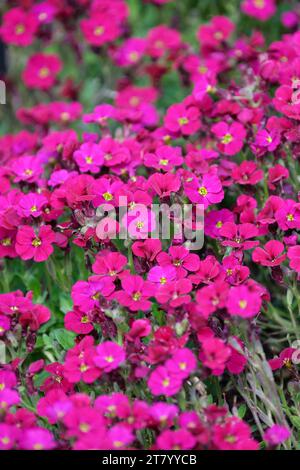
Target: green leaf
{"points": [[64, 338]]}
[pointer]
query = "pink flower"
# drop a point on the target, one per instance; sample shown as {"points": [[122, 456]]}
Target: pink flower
{"points": [[8, 436], [260, 9], [180, 258], [212, 298], [161, 40], [182, 119], [18, 27], [247, 173], [231, 137], [100, 29], [206, 190], [165, 158], [79, 322], [276, 434], [288, 215], [214, 355], [215, 220], [294, 257], [41, 71], [31, 204], [37, 439], [86, 295], [276, 175], [131, 51], [284, 359], [110, 264], [162, 382], [175, 293], [216, 32], [243, 302], [7, 243], [164, 184], [36, 245], [179, 439], [238, 235], [182, 363], [4, 324], [135, 293], [109, 356], [162, 275], [270, 255], [89, 157], [269, 140], [233, 434], [120, 436]]}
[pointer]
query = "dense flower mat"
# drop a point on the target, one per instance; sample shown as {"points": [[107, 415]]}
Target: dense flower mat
{"points": [[143, 343]]}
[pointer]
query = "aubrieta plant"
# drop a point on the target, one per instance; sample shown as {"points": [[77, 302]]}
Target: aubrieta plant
{"points": [[140, 342]]}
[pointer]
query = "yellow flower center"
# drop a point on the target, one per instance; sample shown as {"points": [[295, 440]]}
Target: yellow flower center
{"points": [[20, 29], [109, 359], [163, 162], [84, 319], [140, 224], [290, 217], [89, 160], [243, 304], [99, 31], [44, 72], [28, 172], [166, 382], [33, 209], [6, 242], [202, 191], [36, 242], [219, 35], [107, 196], [183, 120], [219, 224], [259, 3], [133, 56], [136, 296], [84, 427], [163, 280], [227, 138]]}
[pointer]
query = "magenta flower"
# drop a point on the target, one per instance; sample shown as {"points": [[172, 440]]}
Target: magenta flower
{"points": [[100, 29], [7, 243], [237, 236], [165, 158], [215, 220], [163, 382], [109, 356], [216, 32], [231, 137], [180, 258], [247, 173], [31, 204], [294, 257], [18, 27], [135, 293], [37, 439], [8, 436], [233, 434], [38, 246], [182, 363], [268, 139], [86, 294], [175, 293], [179, 439], [270, 255], [110, 264], [41, 71], [161, 275], [243, 302], [164, 184], [89, 157], [284, 359], [207, 190], [182, 119], [276, 175], [288, 215], [79, 322], [276, 434], [214, 355], [260, 9]]}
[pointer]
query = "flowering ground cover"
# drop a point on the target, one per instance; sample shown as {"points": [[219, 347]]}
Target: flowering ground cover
{"points": [[115, 107]]}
